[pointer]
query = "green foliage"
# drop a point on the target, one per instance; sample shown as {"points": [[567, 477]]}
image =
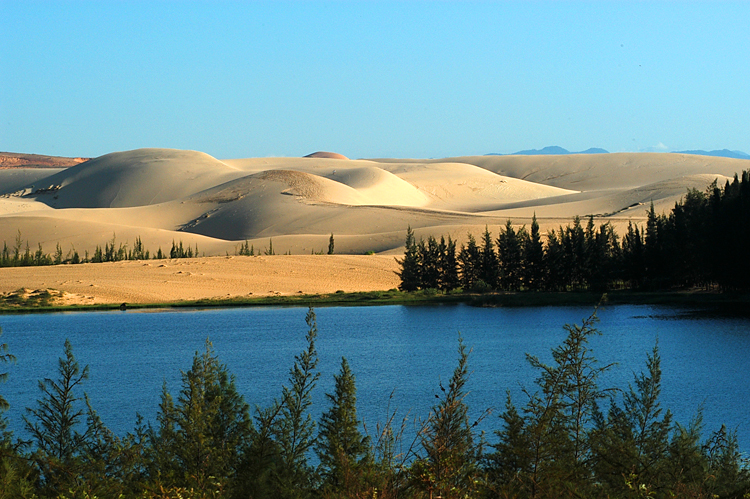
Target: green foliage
{"points": [[5, 357], [200, 435], [633, 441], [449, 466], [469, 263], [330, 244], [269, 250], [410, 271], [533, 257], [66, 457], [276, 462], [246, 249], [510, 249], [343, 451]]}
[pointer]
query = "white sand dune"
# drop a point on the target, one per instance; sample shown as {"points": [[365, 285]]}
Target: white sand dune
{"points": [[165, 195], [13, 179], [583, 172], [465, 187], [135, 178]]}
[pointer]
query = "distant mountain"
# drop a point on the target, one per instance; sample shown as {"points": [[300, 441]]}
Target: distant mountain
{"points": [[546, 150], [593, 150], [549, 150], [723, 153]]}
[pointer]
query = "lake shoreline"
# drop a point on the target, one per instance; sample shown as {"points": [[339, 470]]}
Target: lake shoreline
{"points": [[725, 302]]}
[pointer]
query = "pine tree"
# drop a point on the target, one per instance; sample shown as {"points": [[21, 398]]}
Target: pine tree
{"points": [[555, 262], [448, 265], [201, 435], [469, 263], [510, 463], [654, 250], [558, 419], [449, 467], [429, 258], [633, 257], [410, 271], [294, 428], [4, 358], [53, 423], [62, 451], [341, 448], [489, 267], [633, 441], [330, 244], [533, 258], [510, 251]]}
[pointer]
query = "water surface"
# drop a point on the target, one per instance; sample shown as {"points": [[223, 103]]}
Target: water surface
{"points": [[401, 350]]}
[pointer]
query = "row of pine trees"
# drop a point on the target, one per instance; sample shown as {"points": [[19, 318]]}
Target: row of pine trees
{"points": [[21, 256], [569, 438], [702, 242]]}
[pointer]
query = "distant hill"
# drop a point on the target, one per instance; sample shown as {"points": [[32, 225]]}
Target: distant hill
{"points": [[550, 150], [722, 153], [16, 160]]}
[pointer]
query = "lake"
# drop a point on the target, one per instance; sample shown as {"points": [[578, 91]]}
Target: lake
{"points": [[401, 350]]}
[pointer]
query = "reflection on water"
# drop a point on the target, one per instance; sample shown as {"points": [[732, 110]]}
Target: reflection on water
{"points": [[406, 349]]}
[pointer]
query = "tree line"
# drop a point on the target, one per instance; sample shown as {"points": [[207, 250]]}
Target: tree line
{"points": [[702, 242], [569, 438], [20, 255]]}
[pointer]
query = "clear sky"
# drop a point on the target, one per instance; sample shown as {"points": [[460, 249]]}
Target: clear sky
{"points": [[372, 79]]}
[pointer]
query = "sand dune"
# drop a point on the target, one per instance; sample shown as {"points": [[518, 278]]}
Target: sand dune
{"points": [[324, 154], [135, 178], [165, 195], [599, 171], [15, 179]]}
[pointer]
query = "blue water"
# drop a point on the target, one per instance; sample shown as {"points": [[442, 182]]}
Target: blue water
{"points": [[404, 351]]}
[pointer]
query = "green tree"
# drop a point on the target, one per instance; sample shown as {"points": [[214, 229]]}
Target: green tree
{"points": [[330, 244], [448, 265], [410, 273], [64, 455], [512, 457], [469, 263], [631, 445], [533, 258], [53, 423], [559, 417], [343, 451], [5, 357], [510, 251], [489, 269], [429, 259], [200, 436], [449, 466], [294, 428], [633, 257], [555, 262], [726, 477]]}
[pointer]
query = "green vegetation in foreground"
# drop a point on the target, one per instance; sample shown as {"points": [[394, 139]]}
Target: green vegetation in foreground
{"points": [[566, 437], [23, 301]]}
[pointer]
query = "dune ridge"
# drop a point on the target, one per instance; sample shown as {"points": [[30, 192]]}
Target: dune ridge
{"points": [[165, 195]]}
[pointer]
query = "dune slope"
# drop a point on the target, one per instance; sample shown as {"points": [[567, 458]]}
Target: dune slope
{"points": [[165, 195]]}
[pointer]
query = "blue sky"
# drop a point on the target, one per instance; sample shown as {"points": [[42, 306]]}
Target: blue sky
{"points": [[373, 79]]}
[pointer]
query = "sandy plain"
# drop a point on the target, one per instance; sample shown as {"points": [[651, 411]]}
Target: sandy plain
{"points": [[163, 196]]}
